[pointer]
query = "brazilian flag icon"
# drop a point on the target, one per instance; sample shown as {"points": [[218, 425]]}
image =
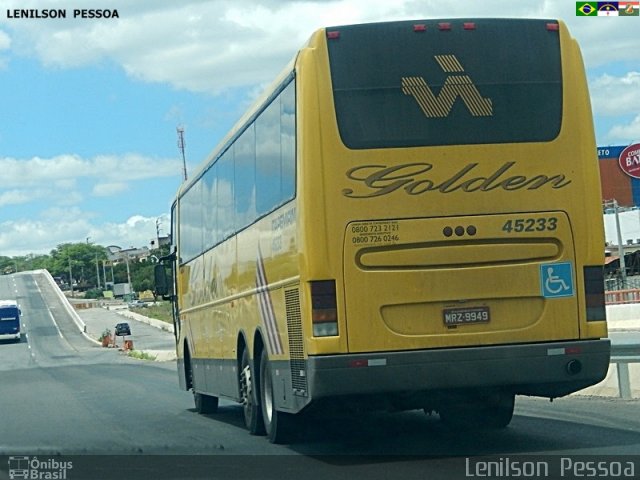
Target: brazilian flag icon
{"points": [[586, 9]]}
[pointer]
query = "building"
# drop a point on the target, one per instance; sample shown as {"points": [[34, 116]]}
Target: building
{"points": [[116, 254], [620, 174], [620, 179]]}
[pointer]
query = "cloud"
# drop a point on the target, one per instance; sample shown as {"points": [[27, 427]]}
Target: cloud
{"points": [[5, 44], [64, 182], [67, 168], [611, 95], [136, 231], [109, 189], [15, 197], [210, 46], [597, 40], [61, 215], [628, 133], [21, 237], [66, 198], [5, 41]]}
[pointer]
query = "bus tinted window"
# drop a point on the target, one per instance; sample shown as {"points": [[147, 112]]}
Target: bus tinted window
{"points": [[268, 156], [8, 314], [190, 221], [245, 178], [288, 142], [499, 82], [210, 214], [252, 176], [225, 194]]}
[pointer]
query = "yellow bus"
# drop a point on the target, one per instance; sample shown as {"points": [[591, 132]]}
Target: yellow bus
{"points": [[408, 219]]}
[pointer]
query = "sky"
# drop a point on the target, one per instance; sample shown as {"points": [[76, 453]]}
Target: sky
{"points": [[90, 106]]}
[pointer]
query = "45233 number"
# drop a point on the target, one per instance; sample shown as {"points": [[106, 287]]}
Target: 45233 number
{"points": [[520, 225]]}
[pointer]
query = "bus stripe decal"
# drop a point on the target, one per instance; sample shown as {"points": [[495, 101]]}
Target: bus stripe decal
{"points": [[267, 312]]}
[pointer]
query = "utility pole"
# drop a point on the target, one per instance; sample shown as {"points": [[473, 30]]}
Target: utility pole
{"points": [[180, 131], [97, 267], [126, 258], [623, 268], [70, 277], [97, 270]]}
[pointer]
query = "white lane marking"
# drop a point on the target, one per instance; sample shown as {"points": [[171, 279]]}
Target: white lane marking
{"points": [[56, 325], [49, 312]]}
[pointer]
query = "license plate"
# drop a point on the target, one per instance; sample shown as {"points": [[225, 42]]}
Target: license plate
{"points": [[466, 315]]}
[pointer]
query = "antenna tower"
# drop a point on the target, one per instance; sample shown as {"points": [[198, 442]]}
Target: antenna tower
{"points": [[180, 131]]}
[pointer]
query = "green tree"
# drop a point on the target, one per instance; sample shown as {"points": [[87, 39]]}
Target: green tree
{"points": [[7, 265], [142, 278], [79, 259]]}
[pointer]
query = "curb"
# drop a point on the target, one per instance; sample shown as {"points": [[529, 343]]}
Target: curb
{"points": [[160, 355], [159, 324]]}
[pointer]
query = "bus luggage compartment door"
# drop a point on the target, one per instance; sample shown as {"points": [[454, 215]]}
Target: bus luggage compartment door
{"points": [[459, 281]]}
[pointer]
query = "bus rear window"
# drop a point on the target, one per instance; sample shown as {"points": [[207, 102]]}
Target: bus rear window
{"points": [[8, 314], [446, 82]]}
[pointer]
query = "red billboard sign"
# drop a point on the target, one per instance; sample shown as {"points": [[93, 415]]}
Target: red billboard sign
{"points": [[629, 160]]}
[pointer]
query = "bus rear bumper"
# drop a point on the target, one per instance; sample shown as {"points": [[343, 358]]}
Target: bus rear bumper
{"points": [[540, 369], [10, 336]]}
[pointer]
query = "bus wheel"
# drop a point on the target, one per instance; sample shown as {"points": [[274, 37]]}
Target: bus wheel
{"points": [[249, 398], [278, 425], [493, 411], [205, 403]]}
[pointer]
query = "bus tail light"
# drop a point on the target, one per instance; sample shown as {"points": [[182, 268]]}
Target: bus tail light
{"points": [[594, 293], [324, 311]]}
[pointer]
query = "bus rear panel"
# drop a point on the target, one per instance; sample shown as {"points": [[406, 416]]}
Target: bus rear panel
{"points": [[462, 212], [9, 320]]}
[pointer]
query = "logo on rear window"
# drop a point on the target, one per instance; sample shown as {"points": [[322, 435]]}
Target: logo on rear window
{"points": [[457, 85]]}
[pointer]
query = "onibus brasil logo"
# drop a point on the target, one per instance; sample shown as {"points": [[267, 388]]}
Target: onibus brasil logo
{"points": [[33, 468]]}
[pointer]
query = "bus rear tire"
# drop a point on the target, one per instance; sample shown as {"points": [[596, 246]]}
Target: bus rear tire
{"points": [[249, 396], [278, 425], [493, 411], [205, 403]]}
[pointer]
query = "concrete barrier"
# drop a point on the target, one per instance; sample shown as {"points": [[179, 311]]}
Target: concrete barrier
{"points": [[67, 305]]}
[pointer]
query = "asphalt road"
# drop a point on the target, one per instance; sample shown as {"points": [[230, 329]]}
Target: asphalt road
{"points": [[118, 417]]}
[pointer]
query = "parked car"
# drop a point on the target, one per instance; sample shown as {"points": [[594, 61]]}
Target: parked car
{"points": [[137, 304], [122, 329]]}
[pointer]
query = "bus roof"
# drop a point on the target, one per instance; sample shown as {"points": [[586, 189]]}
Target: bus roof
{"points": [[8, 304]]}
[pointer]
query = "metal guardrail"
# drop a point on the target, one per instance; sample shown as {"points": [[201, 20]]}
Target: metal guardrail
{"points": [[621, 297], [622, 355]]}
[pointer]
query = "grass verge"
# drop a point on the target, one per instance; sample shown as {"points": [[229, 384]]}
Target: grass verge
{"points": [[141, 355], [160, 311]]}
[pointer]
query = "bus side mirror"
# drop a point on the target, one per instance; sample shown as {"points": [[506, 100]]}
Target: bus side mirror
{"points": [[161, 280]]}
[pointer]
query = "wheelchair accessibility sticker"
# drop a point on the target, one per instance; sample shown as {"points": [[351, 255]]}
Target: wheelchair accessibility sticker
{"points": [[556, 280]]}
